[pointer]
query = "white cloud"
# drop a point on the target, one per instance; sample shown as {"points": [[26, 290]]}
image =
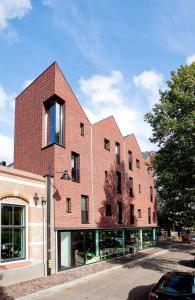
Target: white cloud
{"points": [[48, 3], [6, 149], [190, 59], [106, 97], [27, 83], [13, 9], [6, 100], [150, 82]]}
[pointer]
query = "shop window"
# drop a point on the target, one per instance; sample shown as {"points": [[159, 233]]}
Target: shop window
{"points": [[13, 232], [117, 151], [119, 212], [75, 164], [54, 115], [132, 214], [68, 205], [82, 129], [108, 210], [139, 213], [131, 193], [84, 209], [118, 182], [138, 163], [130, 160], [107, 144]]}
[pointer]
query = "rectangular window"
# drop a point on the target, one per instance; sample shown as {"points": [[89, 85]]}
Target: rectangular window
{"points": [[82, 129], [130, 160], [151, 194], [149, 215], [75, 165], [54, 123], [108, 210], [118, 182], [117, 151], [139, 213], [106, 176], [139, 186], [84, 209], [13, 232], [131, 214], [68, 205], [131, 194], [107, 144], [119, 213], [138, 163]]}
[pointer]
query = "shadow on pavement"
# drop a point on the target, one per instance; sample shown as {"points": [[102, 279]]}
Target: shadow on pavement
{"points": [[188, 263], [140, 292]]}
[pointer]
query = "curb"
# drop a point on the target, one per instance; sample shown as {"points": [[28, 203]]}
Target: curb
{"points": [[54, 289]]}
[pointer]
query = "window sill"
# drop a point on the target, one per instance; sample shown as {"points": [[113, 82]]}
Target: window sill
{"points": [[50, 145]]}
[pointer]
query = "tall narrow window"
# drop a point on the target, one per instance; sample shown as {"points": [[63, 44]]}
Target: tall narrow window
{"points": [[149, 215], [75, 164], [107, 144], [151, 194], [130, 161], [13, 232], [68, 205], [132, 214], [131, 194], [54, 123], [118, 182], [106, 176], [139, 213], [139, 187], [119, 212], [138, 163], [117, 151], [84, 209], [82, 129], [108, 210]]}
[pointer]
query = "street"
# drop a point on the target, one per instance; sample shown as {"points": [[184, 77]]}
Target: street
{"points": [[130, 283]]}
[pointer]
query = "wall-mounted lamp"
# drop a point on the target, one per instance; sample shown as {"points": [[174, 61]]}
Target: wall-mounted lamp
{"points": [[65, 176], [36, 199], [43, 200]]}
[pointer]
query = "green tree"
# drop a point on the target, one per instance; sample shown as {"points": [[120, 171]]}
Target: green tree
{"points": [[173, 124]]}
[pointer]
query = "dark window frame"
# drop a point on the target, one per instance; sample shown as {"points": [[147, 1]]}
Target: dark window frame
{"points": [[85, 212], [138, 163], [139, 213], [149, 215], [139, 188], [82, 129], [130, 160], [151, 194], [131, 192], [132, 214], [75, 170], [108, 210], [117, 152], [68, 205], [119, 212], [107, 144], [118, 182]]}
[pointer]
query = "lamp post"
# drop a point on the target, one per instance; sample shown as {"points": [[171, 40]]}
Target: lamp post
{"points": [[50, 174]]}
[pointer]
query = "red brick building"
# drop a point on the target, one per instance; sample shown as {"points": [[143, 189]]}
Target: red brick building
{"points": [[107, 208]]}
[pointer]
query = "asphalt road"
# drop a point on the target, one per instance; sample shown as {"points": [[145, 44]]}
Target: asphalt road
{"points": [[129, 283]]}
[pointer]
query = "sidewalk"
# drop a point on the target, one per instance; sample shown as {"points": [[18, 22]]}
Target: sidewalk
{"points": [[73, 276]]}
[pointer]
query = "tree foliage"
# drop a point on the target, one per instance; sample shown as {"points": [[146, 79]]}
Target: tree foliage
{"points": [[173, 124]]}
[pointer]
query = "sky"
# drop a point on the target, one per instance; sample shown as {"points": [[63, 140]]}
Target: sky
{"points": [[116, 55]]}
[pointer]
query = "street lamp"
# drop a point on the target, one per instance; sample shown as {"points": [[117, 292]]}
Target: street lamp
{"points": [[50, 174]]}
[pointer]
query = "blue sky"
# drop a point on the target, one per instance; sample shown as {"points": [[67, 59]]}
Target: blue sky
{"points": [[114, 54]]}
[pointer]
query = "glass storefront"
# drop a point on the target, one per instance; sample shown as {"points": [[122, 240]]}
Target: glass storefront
{"points": [[12, 232], [80, 247]]}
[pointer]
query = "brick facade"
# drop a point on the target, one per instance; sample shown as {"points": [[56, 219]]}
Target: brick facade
{"points": [[31, 155]]}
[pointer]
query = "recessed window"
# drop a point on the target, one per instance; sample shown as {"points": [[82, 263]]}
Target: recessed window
{"points": [[149, 215], [82, 129], [151, 193], [84, 209], [75, 165], [154, 216], [139, 187], [130, 160], [139, 213], [118, 182], [106, 176], [107, 144], [117, 151], [131, 193], [54, 113], [108, 210], [138, 163], [119, 212], [13, 232], [132, 214], [68, 205]]}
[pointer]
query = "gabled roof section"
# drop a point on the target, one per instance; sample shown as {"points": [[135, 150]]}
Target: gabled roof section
{"points": [[107, 120], [132, 137], [58, 72]]}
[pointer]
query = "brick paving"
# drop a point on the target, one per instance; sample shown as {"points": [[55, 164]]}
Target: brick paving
{"points": [[31, 286]]}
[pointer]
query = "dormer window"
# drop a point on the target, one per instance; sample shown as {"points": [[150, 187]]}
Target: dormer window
{"points": [[54, 112]]}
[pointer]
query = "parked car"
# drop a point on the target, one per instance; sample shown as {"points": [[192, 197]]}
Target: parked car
{"points": [[174, 285]]}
